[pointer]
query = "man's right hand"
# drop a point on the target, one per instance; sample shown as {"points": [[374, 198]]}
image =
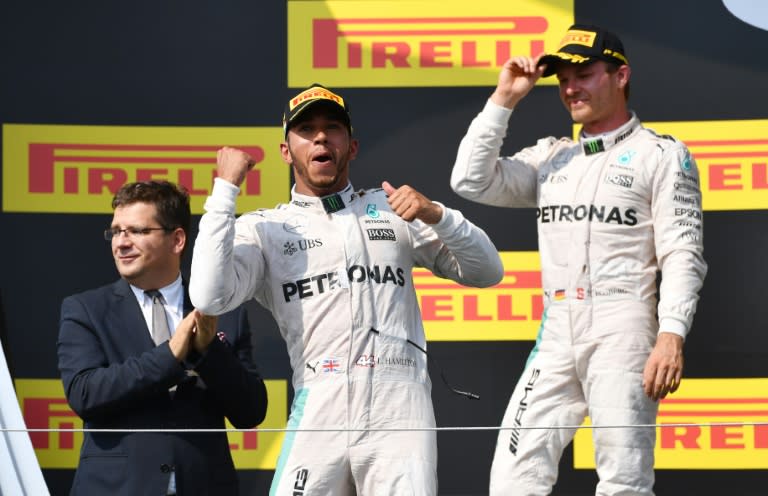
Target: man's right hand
{"points": [[664, 367], [232, 165], [517, 77]]}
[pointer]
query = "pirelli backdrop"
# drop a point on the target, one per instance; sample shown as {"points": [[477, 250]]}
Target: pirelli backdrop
{"points": [[94, 94]]}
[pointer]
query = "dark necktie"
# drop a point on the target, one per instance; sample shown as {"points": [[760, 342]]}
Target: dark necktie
{"points": [[160, 331]]}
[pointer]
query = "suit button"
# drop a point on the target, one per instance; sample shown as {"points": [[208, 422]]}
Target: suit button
{"points": [[165, 468]]}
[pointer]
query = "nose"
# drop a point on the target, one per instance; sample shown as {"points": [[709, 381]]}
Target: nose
{"points": [[320, 136], [121, 239], [570, 87]]}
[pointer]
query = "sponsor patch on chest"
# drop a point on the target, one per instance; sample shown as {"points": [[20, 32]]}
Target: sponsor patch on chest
{"points": [[381, 234], [623, 180]]}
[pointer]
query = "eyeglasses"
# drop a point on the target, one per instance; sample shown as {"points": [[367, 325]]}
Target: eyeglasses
{"points": [[132, 232]]}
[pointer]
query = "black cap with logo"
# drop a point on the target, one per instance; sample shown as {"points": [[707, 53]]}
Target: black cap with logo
{"points": [[583, 44], [315, 95]]}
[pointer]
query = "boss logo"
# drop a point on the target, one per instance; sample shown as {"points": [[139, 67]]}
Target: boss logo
{"points": [[622, 180], [381, 234]]}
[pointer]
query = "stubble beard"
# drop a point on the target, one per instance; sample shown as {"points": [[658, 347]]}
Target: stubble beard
{"points": [[321, 183]]}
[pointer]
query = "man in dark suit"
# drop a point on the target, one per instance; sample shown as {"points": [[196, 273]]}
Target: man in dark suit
{"points": [[124, 369]]}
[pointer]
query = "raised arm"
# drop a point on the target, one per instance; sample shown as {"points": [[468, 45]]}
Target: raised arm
{"points": [[227, 267]]}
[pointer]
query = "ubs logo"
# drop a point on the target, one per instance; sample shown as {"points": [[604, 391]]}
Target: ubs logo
{"points": [[290, 247], [553, 178]]}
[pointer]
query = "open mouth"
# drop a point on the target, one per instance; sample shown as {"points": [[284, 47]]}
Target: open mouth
{"points": [[322, 159], [576, 101]]}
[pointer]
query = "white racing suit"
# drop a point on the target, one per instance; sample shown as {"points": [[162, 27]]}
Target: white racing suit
{"points": [[611, 212], [336, 275]]}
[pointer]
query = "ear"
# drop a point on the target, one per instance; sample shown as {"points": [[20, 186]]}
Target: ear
{"points": [[353, 147], [179, 238], [285, 152], [622, 76]]}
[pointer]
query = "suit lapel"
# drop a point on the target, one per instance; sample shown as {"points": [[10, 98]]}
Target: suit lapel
{"points": [[128, 320]]}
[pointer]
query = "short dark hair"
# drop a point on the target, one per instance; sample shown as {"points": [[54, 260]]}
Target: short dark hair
{"points": [[170, 200]]}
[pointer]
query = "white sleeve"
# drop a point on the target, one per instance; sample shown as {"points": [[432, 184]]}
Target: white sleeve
{"points": [[480, 175], [679, 238], [227, 261], [456, 249]]}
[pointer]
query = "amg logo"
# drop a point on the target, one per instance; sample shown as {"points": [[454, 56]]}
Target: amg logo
{"points": [[620, 180], [381, 234], [514, 438], [301, 482]]}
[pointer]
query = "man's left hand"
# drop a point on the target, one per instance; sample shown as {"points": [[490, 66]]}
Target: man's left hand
{"points": [[409, 204], [204, 332], [664, 368]]}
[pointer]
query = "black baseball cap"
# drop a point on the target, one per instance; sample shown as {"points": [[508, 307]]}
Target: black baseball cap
{"points": [[316, 94], [584, 43]]}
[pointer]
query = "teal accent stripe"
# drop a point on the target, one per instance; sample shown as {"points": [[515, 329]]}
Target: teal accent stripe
{"points": [[535, 349], [297, 412]]}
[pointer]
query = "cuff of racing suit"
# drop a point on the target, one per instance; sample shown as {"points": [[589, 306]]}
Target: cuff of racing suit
{"points": [[222, 197], [673, 326], [447, 227], [446, 221], [496, 113]]}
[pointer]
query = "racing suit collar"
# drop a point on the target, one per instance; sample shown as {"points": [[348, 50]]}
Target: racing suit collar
{"points": [[329, 203], [605, 141]]}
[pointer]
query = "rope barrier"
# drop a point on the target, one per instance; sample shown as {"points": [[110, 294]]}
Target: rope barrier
{"points": [[409, 429]]}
